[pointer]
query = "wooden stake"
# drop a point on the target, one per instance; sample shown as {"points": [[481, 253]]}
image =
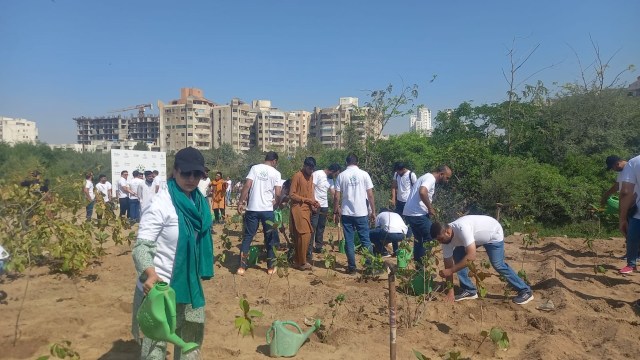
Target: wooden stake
{"points": [[392, 312]]}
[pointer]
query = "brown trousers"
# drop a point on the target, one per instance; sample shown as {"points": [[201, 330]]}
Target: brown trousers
{"points": [[301, 245]]}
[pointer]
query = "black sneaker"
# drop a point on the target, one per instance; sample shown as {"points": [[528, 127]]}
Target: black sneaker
{"points": [[352, 272], [523, 297], [466, 295]]}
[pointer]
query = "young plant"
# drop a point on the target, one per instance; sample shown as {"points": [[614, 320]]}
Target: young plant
{"points": [[479, 275], [530, 238], [373, 265], [244, 322], [329, 261], [334, 305], [61, 350], [498, 336]]}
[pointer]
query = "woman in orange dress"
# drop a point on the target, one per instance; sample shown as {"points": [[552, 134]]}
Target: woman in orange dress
{"points": [[218, 191], [302, 203]]}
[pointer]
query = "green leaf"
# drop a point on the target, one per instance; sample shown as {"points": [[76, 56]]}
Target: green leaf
{"points": [[245, 328], [419, 355], [44, 357], [499, 337], [238, 322], [255, 313], [244, 305], [483, 291]]}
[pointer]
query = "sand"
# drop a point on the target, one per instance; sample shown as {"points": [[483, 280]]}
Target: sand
{"points": [[594, 316]]}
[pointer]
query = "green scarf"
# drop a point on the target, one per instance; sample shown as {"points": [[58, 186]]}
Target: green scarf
{"points": [[194, 252]]}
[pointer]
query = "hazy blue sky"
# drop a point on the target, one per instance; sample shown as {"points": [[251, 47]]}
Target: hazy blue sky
{"points": [[67, 58]]}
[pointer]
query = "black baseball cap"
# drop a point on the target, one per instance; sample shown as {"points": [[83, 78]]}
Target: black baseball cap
{"points": [[612, 161], [189, 159]]}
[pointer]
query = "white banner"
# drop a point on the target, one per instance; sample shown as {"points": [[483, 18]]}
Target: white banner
{"points": [[136, 160]]}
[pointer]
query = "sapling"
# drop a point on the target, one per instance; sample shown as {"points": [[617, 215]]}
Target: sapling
{"points": [[329, 261], [244, 322], [498, 336], [61, 350]]}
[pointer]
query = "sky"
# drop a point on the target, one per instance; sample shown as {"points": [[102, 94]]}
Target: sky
{"points": [[61, 59]]}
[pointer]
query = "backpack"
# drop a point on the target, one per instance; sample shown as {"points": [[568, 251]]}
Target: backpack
{"points": [[410, 179]]}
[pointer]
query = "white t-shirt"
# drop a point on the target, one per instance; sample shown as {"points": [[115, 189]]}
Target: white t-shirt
{"points": [[321, 186], [105, 189], [134, 185], [404, 184], [89, 185], [146, 192], [159, 223], [122, 184], [480, 229], [626, 175], [160, 181], [229, 186], [353, 183], [633, 177], [203, 185], [415, 206], [391, 223], [262, 193]]}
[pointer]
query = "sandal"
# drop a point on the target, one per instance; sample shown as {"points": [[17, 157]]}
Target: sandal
{"points": [[272, 271]]}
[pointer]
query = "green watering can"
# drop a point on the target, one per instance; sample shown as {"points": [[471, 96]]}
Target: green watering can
{"points": [[157, 317], [342, 246], [421, 284], [284, 342], [254, 251], [404, 256], [613, 205]]}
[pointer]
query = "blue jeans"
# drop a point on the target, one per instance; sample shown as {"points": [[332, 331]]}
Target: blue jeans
{"points": [[633, 241], [380, 237], [124, 206], [228, 197], [271, 239], [318, 223], [90, 209], [495, 252], [351, 224], [134, 209], [421, 226]]}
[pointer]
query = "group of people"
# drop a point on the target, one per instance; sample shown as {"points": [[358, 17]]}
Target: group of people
{"points": [[174, 242], [133, 194]]}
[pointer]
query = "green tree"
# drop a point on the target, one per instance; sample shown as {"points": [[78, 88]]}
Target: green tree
{"points": [[141, 145]]}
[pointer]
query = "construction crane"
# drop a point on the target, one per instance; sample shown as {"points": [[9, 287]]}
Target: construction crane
{"points": [[139, 107]]}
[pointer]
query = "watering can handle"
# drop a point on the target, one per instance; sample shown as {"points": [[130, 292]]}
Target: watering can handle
{"points": [[171, 310], [269, 336], [292, 324]]}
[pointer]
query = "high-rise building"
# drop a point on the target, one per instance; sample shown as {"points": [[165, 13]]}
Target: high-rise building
{"points": [[117, 131], [270, 127], [297, 129], [421, 121], [331, 125], [234, 124], [186, 121], [14, 130]]}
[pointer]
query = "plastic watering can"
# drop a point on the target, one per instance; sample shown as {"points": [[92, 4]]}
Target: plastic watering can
{"points": [[404, 256], [284, 342], [613, 204], [254, 251], [157, 317], [421, 284]]}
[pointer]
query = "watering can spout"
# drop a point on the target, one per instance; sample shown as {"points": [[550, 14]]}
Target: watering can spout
{"points": [[284, 342]]}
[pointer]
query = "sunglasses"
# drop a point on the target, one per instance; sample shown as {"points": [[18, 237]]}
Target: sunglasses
{"points": [[197, 174]]}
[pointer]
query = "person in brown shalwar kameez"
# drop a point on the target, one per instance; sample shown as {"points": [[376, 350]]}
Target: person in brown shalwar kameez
{"points": [[302, 203]]}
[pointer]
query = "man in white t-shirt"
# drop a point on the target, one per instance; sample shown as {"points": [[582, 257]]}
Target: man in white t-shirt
{"points": [[629, 214], [390, 228], [229, 188], [204, 183], [159, 181], [618, 165], [104, 188], [123, 192], [419, 210], [134, 200], [322, 187], [146, 191], [403, 180], [262, 189], [459, 241], [354, 187], [89, 194]]}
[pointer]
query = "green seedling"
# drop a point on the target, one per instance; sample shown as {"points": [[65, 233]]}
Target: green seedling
{"points": [[479, 275], [498, 336], [373, 264], [419, 355], [329, 261], [244, 322], [61, 350], [334, 305]]}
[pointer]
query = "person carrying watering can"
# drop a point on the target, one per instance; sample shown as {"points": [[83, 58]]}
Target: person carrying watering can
{"points": [[390, 228], [459, 240], [174, 245]]}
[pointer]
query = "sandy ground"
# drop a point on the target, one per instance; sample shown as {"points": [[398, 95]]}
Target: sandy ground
{"points": [[594, 316]]}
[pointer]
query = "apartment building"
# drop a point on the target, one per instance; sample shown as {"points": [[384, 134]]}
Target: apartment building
{"points": [[297, 129], [234, 124], [328, 124], [420, 122], [115, 131], [270, 127], [187, 121], [15, 130]]}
